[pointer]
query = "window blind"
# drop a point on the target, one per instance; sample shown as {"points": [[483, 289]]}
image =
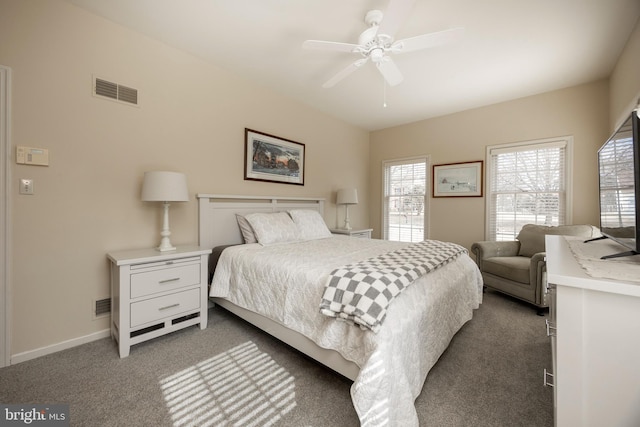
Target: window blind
{"points": [[527, 186], [404, 195]]}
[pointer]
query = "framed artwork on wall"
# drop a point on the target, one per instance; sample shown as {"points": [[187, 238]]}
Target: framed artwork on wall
{"points": [[274, 159], [458, 179]]}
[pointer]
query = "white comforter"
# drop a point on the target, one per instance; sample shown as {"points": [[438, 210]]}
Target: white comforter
{"points": [[285, 283]]}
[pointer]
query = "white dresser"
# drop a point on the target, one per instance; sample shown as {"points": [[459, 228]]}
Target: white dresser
{"points": [[595, 333], [154, 293]]}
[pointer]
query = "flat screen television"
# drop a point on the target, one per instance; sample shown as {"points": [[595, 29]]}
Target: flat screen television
{"points": [[619, 183]]}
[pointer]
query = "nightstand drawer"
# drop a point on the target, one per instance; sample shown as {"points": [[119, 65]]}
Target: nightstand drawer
{"points": [[165, 279], [362, 234], [165, 306]]}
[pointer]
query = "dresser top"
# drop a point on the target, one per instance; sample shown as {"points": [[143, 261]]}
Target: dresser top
{"points": [[563, 269], [138, 256]]}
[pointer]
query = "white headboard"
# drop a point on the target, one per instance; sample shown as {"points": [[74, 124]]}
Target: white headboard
{"points": [[217, 223]]}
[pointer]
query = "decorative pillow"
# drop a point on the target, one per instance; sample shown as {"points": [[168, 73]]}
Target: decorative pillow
{"points": [[310, 224], [245, 228], [273, 227]]}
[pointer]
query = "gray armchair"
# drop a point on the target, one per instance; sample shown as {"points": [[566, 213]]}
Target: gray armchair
{"points": [[518, 268]]}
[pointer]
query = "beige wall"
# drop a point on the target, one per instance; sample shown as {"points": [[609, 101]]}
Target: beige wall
{"points": [[625, 81], [191, 119], [581, 112]]}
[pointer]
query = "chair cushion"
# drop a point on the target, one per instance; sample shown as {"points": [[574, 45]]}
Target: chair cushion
{"points": [[531, 236], [515, 268]]}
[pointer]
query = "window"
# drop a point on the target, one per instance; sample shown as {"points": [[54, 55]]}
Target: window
{"points": [[404, 196], [527, 185]]}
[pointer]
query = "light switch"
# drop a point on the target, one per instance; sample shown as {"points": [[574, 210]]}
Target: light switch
{"points": [[26, 186]]}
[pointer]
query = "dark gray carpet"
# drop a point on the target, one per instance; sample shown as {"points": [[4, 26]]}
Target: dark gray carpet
{"points": [[234, 374]]}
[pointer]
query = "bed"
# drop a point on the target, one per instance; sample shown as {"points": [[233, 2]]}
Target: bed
{"points": [[388, 366]]}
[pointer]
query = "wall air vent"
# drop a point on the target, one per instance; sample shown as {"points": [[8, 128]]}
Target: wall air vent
{"points": [[102, 307], [114, 91]]}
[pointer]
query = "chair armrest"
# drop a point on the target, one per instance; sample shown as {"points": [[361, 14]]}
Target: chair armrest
{"points": [[537, 274], [490, 249], [538, 258]]}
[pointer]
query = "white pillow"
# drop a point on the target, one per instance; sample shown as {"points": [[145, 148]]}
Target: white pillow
{"points": [[245, 228], [310, 224], [273, 227]]}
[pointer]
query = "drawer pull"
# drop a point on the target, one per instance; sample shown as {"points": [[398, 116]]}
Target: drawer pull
{"points": [[175, 279], [548, 374], [169, 306], [551, 328]]}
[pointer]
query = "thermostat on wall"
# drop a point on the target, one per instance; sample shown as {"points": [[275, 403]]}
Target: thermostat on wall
{"points": [[32, 156]]}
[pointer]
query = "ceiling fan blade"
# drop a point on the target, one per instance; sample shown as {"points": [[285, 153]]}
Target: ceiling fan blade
{"points": [[390, 71], [396, 14], [427, 40], [344, 73], [335, 46]]}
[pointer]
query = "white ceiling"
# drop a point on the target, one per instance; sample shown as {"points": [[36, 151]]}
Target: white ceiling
{"points": [[511, 48]]}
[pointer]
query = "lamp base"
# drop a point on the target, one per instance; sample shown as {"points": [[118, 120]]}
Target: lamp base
{"points": [[347, 225], [166, 247], [165, 243]]}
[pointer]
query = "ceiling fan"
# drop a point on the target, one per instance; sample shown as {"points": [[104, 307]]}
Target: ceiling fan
{"points": [[376, 42]]}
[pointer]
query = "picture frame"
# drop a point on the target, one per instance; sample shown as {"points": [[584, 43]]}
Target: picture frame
{"points": [[273, 159], [458, 179]]}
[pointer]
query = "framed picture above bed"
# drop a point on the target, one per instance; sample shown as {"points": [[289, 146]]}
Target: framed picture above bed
{"points": [[458, 179], [271, 158]]}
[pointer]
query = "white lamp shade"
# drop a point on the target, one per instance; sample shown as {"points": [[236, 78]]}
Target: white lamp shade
{"points": [[347, 196], [162, 186]]}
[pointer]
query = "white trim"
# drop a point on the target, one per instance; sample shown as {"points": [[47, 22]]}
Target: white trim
{"points": [[533, 145], [5, 216], [566, 141], [64, 345]]}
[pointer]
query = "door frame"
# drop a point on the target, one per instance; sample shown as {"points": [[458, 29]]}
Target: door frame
{"points": [[5, 215]]}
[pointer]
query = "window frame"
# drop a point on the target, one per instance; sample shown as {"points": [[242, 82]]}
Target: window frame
{"points": [[427, 191], [567, 141]]}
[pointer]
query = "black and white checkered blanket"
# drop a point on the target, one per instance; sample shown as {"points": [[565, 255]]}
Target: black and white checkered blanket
{"points": [[361, 293]]}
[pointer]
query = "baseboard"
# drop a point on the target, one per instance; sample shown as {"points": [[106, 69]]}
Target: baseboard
{"points": [[54, 348]]}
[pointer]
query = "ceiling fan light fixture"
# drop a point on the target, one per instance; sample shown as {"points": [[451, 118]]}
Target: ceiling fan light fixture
{"points": [[377, 54]]}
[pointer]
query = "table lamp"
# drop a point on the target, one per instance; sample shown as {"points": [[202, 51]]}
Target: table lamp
{"points": [[347, 196], [165, 187]]}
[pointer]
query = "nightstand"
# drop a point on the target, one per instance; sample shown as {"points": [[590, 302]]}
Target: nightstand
{"points": [[364, 233], [154, 293]]}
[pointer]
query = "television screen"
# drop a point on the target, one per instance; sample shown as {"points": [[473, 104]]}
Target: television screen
{"points": [[618, 169]]}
